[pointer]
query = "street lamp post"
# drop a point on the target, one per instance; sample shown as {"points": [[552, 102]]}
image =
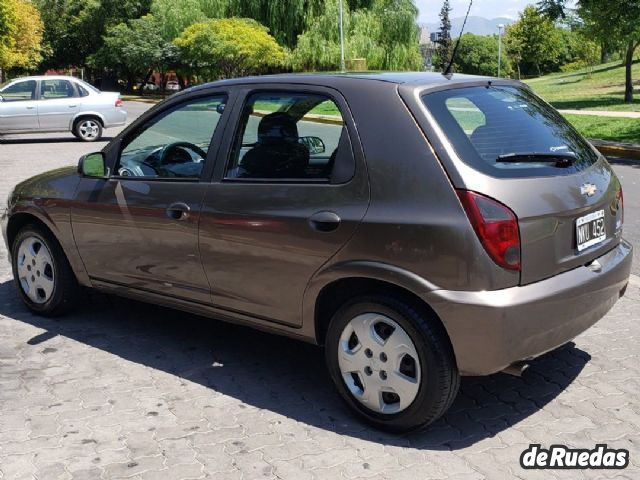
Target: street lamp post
{"points": [[342, 65], [500, 27]]}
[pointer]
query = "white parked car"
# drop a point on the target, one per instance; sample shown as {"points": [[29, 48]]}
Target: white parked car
{"points": [[172, 86], [150, 87], [58, 104]]}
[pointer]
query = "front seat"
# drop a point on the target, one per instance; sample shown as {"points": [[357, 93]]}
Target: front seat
{"points": [[278, 153]]}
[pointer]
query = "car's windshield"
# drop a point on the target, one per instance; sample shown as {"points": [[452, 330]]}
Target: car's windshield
{"points": [[487, 124]]}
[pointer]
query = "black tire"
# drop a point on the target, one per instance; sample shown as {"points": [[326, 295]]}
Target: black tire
{"points": [[438, 386], [88, 129], [65, 286]]}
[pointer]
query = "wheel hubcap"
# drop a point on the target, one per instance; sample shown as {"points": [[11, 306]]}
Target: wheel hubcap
{"points": [[88, 129], [35, 270], [379, 363]]}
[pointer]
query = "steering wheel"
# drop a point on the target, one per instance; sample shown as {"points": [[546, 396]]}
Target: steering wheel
{"points": [[169, 149]]}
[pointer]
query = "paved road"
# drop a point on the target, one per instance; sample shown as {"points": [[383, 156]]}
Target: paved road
{"points": [[125, 390], [629, 173]]}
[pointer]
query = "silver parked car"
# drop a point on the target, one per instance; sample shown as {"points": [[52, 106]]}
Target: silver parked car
{"points": [[58, 104]]}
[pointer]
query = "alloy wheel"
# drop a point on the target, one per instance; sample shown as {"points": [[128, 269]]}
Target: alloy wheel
{"points": [[89, 129]]}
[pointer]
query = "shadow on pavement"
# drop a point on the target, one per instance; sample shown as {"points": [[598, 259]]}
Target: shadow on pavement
{"points": [[286, 376]]}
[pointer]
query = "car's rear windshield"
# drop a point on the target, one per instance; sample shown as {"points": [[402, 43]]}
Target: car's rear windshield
{"points": [[506, 131]]}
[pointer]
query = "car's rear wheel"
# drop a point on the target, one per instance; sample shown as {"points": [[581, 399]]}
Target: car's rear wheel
{"points": [[392, 363], [88, 129], [42, 274]]}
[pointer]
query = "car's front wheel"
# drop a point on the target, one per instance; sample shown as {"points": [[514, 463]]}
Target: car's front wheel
{"points": [[88, 129], [392, 363], [41, 272]]}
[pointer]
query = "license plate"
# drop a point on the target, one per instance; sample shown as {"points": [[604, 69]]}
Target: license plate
{"points": [[590, 230]]}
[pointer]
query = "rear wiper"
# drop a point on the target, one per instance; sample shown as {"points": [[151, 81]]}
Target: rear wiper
{"points": [[560, 159]]}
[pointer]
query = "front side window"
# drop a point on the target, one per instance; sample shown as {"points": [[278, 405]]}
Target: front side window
{"points": [[288, 136], [20, 91], [175, 143], [507, 131], [55, 89]]}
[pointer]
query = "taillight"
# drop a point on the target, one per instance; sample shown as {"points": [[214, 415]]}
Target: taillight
{"points": [[118, 103], [496, 227]]}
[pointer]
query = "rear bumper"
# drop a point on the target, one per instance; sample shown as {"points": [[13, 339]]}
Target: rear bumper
{"points": [[115, 118], [491, 330]]}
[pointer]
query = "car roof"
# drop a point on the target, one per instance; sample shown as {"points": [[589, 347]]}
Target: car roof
{"points": [[417, 79], [46, 77]]}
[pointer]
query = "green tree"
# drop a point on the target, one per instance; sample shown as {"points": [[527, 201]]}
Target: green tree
{"points": [[533, 42], [225, 48], [618, 20], [21, 43], [385, 34], [613, 22], [445, 45], [134, 48], [478, 55], [74, 28], [284, 19]]}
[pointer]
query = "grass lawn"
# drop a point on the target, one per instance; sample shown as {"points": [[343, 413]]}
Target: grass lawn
{"points": [[602, 89], [625, 130]]}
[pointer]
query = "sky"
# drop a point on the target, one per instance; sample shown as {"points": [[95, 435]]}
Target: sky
{"points": [[429, 9]]}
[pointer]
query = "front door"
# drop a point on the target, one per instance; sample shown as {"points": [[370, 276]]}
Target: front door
{"points": [[19, 108], [58, 104], [139, 228], [291, 193]]}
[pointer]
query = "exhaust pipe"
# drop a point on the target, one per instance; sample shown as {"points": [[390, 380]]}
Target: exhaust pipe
{"points": [[516, 369]]}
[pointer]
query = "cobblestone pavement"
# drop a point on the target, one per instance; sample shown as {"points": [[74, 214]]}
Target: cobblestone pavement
{"points": [[126, 390]]}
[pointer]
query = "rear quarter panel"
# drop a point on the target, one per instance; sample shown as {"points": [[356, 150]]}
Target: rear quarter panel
{"points": [[415, 222]]}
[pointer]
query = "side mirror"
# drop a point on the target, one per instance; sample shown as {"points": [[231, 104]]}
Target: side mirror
{"points": [[1, 99], [220, 108], [314, 144], [93, 165]]}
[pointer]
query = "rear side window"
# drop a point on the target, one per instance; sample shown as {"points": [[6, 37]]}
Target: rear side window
{"points": [[289, 136], [487, 124], [54, 89]]}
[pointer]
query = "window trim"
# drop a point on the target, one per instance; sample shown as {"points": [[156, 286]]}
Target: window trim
{"points": [[250, 90], [148, 121]]}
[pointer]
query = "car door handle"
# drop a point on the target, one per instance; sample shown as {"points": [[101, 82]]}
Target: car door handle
{"points": [[324, 221], [178, 211], [30, 108], [73, 106]]}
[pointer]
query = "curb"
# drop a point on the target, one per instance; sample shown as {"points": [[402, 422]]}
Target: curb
{"points": [[625, 150]]}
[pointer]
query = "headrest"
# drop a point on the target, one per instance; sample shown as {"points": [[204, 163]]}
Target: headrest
{"points": [[278, 126]]}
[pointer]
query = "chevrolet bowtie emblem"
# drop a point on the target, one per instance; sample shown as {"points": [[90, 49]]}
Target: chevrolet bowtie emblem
{"points": [[588, 189]]}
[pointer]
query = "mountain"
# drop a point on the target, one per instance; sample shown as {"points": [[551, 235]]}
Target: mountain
{"points": [[477, 25]]}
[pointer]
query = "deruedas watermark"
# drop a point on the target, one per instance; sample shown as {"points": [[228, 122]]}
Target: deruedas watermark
{"points": [[563, 457]]}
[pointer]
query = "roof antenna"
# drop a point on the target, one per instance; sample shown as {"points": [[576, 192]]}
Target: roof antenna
{"points": [[447, 72]]}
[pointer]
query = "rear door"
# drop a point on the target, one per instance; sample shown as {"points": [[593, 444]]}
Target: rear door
{"points": [[289, 191], [58, 104], [19, 108], [513, 147]]}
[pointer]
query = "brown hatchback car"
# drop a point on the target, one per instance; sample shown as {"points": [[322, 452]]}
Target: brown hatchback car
{"points": [[420, 227]]}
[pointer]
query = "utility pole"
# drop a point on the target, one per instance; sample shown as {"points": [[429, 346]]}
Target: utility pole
{"points": [[500, 27], [342, 65]]}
